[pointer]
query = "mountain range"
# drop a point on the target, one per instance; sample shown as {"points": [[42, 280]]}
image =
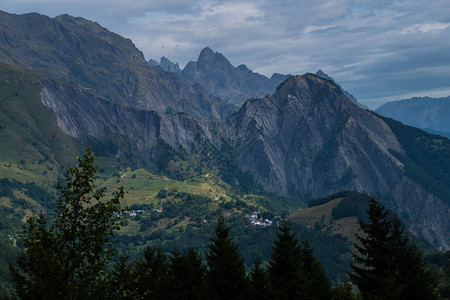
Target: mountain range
{"points": [[303, 138], [220, 78], [84, 54], [431, 114]]}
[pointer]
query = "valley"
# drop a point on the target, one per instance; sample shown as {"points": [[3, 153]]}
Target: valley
{"points": [[191, 145]]}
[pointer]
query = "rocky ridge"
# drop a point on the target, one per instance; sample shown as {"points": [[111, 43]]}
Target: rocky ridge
{"points": [[307, 139], [232, 84], [84, 54]]}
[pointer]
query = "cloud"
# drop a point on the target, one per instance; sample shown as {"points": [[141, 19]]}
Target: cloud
{"points": [[375, 49]]}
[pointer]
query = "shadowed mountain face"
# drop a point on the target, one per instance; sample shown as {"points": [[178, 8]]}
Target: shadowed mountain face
{"points": [[219, 77], [431, 114], [85, 54], [308, 139]]}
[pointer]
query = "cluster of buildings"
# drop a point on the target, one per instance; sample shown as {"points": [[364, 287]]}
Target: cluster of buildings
{"points": [[133, 213], [255, 220]]}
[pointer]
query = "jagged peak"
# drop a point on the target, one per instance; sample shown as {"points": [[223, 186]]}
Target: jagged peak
{"points": [[243, 67], [153, 62], [169, 66], [323, 75], [207, 55], [206, 52]]}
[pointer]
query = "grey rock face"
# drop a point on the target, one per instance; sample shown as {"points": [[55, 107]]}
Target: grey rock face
{"points": [[323, 75], [308, 138], [219, 77], [169, 66], [84, 54]]}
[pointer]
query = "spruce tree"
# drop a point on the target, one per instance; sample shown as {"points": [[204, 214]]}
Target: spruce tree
{"points": [[285, 270], [388, 265], [226, 270], [258, 282], [316, 283], [186, 276]]}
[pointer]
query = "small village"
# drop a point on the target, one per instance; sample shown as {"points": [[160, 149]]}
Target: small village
{"points": [[255, 220]]}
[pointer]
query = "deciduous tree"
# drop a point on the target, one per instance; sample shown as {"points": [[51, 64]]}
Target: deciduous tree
{"points": [[68, 258]]}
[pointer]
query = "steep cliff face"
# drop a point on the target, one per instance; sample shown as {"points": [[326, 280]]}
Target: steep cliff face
{"points": [[219, 77], [88, 117], [85, 54], [307, 139], [312, 139]]}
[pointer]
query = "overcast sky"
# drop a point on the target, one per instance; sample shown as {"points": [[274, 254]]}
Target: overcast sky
{"points": [[377, 50]]}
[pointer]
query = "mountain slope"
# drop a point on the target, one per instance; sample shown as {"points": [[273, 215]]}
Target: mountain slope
{"points": [[219, 77], [83, 53], [307, 139], [32, 143], [323, 75], [431, 114]]}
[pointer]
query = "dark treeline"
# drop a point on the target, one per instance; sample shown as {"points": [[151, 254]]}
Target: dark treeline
{"points": [[73, 258], [292, 272]]}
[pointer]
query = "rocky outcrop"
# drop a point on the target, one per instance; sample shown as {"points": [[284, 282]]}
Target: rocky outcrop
{"points": [[84, 54], [166, 65], [308, 139], [169, 66], [87, 117], [323, 75], [312, 139], [221, 78]]}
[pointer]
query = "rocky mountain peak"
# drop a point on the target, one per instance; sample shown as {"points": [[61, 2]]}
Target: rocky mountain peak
{"points": [[323, 75], [209, 60], [206, 54], [169, 66], [221, 78], [83, 53]]}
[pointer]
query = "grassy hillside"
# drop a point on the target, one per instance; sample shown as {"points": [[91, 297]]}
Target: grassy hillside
{"points": [[32, 147]]}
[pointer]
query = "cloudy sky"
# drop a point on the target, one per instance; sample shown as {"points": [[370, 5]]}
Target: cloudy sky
{"points": [[377, 50]]}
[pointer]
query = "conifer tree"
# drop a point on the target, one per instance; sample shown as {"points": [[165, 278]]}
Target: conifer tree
{"points": [[226, 270], [68, 259], [316, 283], [151, 274], [284, 270], [388, 265], [258, 282], [186, 276]]}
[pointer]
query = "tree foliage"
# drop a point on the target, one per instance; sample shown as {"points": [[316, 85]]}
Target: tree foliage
{"points": [[226, 275], [388, 265], [68, 258], [293, 272]]}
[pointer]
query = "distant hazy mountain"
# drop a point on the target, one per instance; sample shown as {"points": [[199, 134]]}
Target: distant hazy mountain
{"points": [[431, 114], [221, 78], [323, 75], [83, 53], [166, 65]]}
